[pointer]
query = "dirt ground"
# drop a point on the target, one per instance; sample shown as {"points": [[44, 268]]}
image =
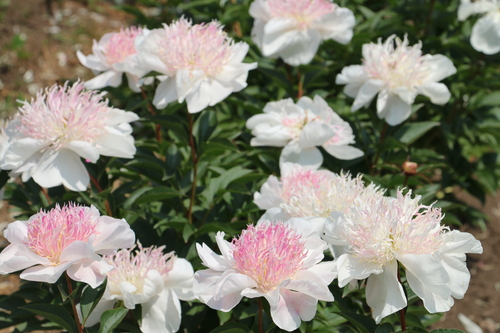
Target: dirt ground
{"points": [[36, 50]]}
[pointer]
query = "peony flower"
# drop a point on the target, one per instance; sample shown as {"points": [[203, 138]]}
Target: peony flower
{"points": [[386, 231], [397, 73], [300, 128], [200, 63], [68, 239], [294, 29], [48, 136], [113, 56], [151, 278], [277, 261], [485, 35], [311, 194]]}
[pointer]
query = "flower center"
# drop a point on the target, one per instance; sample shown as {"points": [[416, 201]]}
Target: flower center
{"points": [[397, 65], [121, 45], [269, 253], [49, 233], [303, 11], [133, 266], [295, 122], [204, 47], [63, 114]]}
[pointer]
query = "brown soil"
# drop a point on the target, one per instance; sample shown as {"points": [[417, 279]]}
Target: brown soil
{"points": [[37, 50]]}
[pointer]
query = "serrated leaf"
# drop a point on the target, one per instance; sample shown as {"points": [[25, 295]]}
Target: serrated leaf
{"points": [[54, 313], [111, 318], [409, 133], [90, 298]]}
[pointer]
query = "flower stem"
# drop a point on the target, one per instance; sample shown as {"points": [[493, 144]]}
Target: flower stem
{"points": [[402, 312], [381, 141], [99, 188], [46, 195], [73, 305], [195, 163], [429, 15], [300, 85], [152, 110], [261, 326]]}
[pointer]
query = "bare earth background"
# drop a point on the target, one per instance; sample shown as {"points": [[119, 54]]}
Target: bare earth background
{"points": [[36, 50]]}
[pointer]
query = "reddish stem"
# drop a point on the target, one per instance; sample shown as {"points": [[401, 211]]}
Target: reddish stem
{"points": [[75, 313], [99, 188], [195, 163], [402, 311], [152, 110]]}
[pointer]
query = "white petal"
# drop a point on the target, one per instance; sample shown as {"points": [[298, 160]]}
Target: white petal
{"points": [[485, 35], [292, 307], [302, 49], [396, 111], [165, 93], [109, 78], [278, 33], [117, 145], [459, 275], [315, 133], [16, 257], [467, 8], [113, 234], [49, 274], [211, 259], [437, 92], [310, 157], [350, 268], [343, 152], [89, 271], [84, 149], [460, 242], [337, 25], [95, 315], [180, 279], [308, 283], [161, 314], [117, 116], [367, 92], [384, 293], [439, 67], [352, 74]]}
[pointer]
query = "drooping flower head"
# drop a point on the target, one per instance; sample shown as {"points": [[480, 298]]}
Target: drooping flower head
{"points": [[68, 238], [384, 231], [275, 260], [294, 29], [312, 194], [149, 277], [113, 56], [485, 35], [398, 73], [48, 135], [300, 127], [200, 63]]}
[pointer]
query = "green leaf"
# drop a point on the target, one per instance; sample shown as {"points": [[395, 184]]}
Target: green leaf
{"points": [[111, 318], [492, 99], [385, 328], [447, 330], [54, 313], [411, 132], [363, 323], [90, 298], [157, 194], [232, 328]]}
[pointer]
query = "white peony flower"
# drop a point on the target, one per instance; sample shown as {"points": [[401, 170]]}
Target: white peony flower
{"points": [[294, 29], [113, 56], [485, 35], [200, 63], [277, 261], [300, 128], [151, 278], [311, 194], [397, 73], [49, 135], [385, 231]]}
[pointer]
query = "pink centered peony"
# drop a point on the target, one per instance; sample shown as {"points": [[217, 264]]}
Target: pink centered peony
{"points": [[113, 56], [47, 137], [64, 239], [200, 63], [485, 35], [300, 127], [294, 29], [373, 238], [149, 277], [398, 73], [277, 261]]}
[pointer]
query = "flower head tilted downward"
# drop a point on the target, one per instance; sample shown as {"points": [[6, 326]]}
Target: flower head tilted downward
{"points": [[49, 135], [386, 231], [398, 73], [69, 238], [485, 35], [294, 29], [113, 56], [199, 63], [275, 260], [149, 277], [300, 127]]}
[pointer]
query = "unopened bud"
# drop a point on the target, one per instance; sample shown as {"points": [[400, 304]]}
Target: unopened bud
{"points": [[410, 168]]}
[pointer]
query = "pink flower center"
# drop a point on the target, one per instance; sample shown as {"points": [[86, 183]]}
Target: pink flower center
{"points": [[204, 47], [132, 266], [121, 45], [63, 114], [269, 253], [398, 65], [49, 233], [303, 11]]}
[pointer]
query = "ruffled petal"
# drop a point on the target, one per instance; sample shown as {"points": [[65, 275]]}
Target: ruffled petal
{"points": [[437, 92], [343, 152], [161, 314], [485, 35], [292, 308], [350, 268], [109, 78], [366, 93], [166, 92], [180, 279], [337, 25], [309, 157]]}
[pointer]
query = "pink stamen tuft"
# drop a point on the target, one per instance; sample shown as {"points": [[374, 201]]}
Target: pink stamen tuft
{"points": [[303, 11], [121, 45], [269, 253], [49, 233]]}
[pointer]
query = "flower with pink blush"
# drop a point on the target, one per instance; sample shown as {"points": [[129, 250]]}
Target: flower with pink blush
{"points": [[149, 277], [387, 233], [485, 36], [200, 63], [300, 127], [398, 73], [65, 239], [294, 29], [275, 260], [311, 194], [49, 135], [113, 56]]}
